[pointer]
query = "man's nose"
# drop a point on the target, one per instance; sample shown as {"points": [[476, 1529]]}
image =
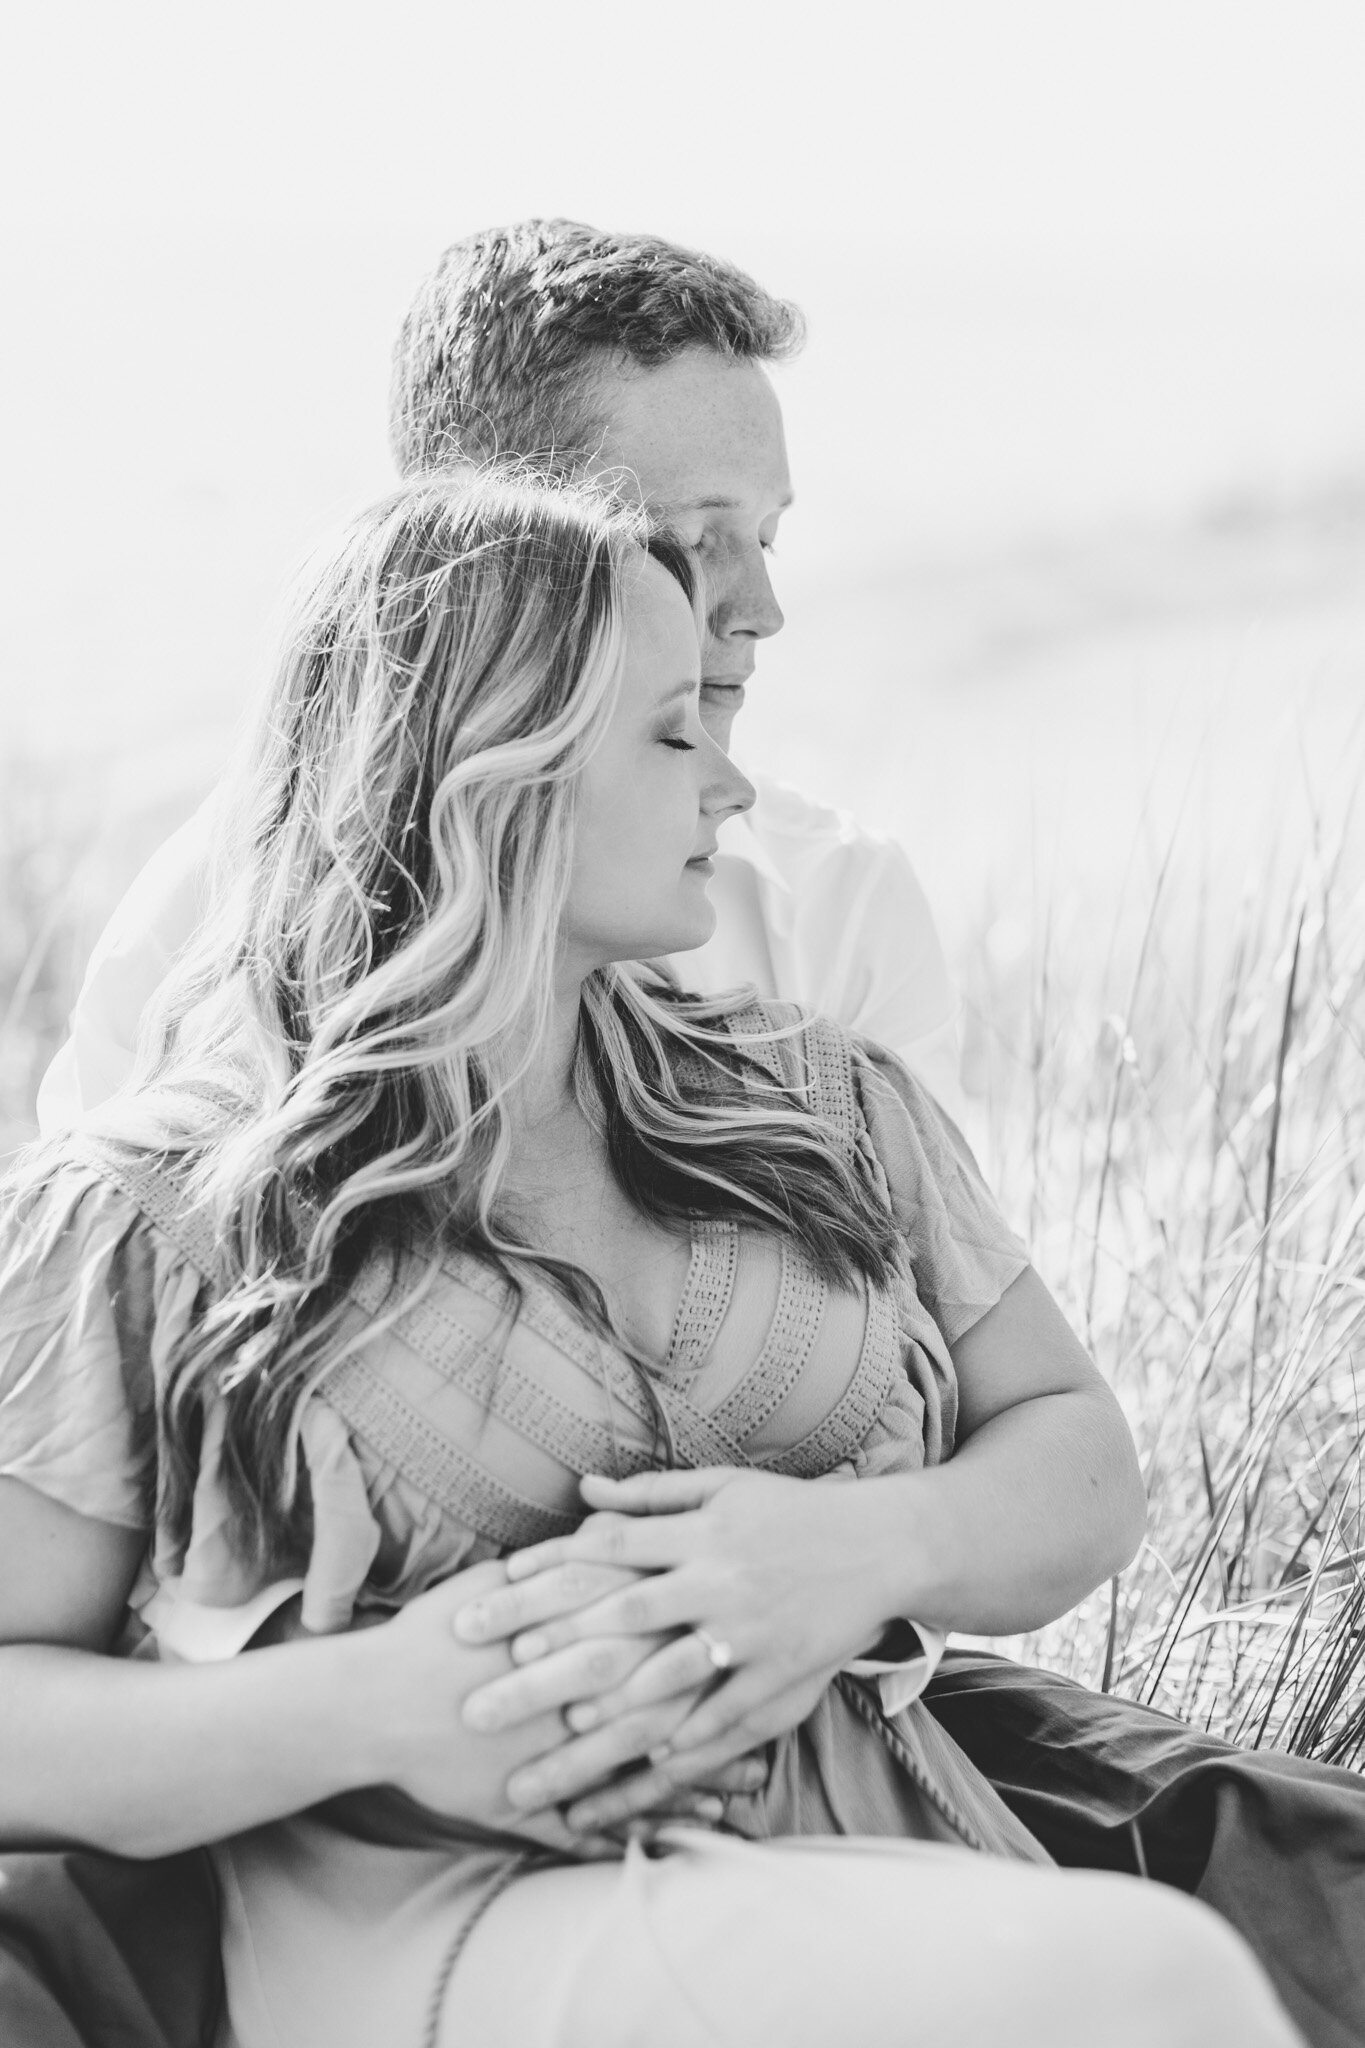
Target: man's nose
{"points": [[745, 604]]}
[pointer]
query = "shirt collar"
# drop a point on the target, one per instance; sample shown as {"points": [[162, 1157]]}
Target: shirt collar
{"points": [[738, 839]]}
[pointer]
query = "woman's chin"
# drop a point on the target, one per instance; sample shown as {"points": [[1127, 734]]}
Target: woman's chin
{"points": [[683, 936]]}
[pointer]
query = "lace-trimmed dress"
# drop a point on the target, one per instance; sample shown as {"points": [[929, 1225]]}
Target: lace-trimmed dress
{"points": [[455, 1427]]}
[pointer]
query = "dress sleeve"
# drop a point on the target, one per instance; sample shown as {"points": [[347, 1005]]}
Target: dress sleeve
{"points": [[963, 1255], [90, 1294]]}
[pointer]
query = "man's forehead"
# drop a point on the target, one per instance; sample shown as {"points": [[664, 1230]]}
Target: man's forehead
{"points": [[699, 433]]}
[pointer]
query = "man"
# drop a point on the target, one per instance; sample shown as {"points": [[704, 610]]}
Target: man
{"points": [[627, 357]]}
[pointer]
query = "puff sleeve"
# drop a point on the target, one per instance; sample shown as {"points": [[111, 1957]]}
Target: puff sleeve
{"points": [[91, 1298]]}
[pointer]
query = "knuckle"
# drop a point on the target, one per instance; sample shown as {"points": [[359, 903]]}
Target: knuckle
{"points": [[601, 1663], [633, 1611]]}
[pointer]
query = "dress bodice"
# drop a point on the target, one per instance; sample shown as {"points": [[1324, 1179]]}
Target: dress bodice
{"points": [[459, 1415]]}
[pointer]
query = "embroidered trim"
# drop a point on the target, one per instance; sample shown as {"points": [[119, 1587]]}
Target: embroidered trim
{"points": [[830, 1089], [705, 1297], [802, 1297], [489, 1374], [158, 1193], [845, 1428], [430, 1461], [860, 1699]]}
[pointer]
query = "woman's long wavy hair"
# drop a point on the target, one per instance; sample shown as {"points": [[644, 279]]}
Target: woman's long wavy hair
{"points": [[333, 1060]]}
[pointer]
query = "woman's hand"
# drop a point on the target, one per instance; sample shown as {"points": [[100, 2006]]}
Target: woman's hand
{"points": [[781, 1576], [457, 1760]]}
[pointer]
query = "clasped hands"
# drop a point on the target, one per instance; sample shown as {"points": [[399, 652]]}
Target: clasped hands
{"points": [[690, 1619]]}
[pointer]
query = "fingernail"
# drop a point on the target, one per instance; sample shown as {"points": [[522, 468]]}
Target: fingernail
{"points": [[710, 1809], [755, 1774], [530, 1791], [661, 1753], [526, 1649], [585, 1819], [470, 1623], [583, 1716], [482, 1715]]}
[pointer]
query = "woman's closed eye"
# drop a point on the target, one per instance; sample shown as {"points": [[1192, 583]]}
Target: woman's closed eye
{"points": [[678, 743]]}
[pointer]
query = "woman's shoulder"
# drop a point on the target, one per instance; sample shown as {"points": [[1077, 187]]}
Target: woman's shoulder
{"points": [[92, 1291]]}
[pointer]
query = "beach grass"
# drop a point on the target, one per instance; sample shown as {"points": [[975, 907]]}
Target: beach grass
{"points": [[1177, 1129]]}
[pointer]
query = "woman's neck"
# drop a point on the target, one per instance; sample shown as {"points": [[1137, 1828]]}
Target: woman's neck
{"points": [[545, 1091]]}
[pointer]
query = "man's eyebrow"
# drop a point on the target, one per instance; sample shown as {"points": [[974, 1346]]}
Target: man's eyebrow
{"points": [[721, 504]]}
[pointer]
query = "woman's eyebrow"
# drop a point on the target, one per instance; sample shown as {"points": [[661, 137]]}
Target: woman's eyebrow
{"points": [[686, 688]]}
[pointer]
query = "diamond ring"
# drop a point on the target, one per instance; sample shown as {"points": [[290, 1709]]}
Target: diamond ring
{"points": [[721, 1655]]}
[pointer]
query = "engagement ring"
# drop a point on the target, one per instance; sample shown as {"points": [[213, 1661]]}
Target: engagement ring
{"points": [[721, 1655]]}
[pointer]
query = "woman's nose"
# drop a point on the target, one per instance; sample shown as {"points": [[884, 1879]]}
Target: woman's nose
{"points": [[727, 789]]}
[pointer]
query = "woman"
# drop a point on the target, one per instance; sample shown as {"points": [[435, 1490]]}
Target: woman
{"points": [[427, 1205]]}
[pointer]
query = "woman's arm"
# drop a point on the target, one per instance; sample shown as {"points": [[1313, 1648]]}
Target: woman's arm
{"points": [[1043, 1498], [144, 1759], [1042, 1501]]}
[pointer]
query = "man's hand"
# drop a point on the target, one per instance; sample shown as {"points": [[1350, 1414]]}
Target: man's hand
{"points": [[754, 1590]]}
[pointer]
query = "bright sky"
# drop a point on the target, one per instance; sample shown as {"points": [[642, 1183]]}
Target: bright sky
{"points": [[1067, 263], [1201, 128]]}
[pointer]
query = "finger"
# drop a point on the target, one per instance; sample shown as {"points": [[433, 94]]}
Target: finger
{"points": [[649, 1792], [587, 1762], [641, 1795], [647, 1605], [606, 1805], [551, 1831], [648, 1543], [680, 1666], [655, 1493], [644, 1802], [749, 1705], [747, 1773], [685, 1804], [575, 1674], [504, 1610]]}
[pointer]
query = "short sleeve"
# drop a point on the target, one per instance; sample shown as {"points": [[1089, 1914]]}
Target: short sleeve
{"points": [[90, 1294], [963, 1255]]}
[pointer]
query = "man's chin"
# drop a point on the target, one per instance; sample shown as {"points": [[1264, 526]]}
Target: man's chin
{"points": [[719, 711]]}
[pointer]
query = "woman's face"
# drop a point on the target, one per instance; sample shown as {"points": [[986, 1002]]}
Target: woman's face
{"points": [[652, 797]]}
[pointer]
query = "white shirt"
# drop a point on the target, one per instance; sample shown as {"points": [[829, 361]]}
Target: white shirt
{"points": [[810, 908]]}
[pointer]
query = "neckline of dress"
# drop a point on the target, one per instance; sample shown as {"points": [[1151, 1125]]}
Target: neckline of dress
{"points": [[706, 1290]]}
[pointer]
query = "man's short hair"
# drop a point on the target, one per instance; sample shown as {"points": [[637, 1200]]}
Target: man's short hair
{"points": [[498, 351]]}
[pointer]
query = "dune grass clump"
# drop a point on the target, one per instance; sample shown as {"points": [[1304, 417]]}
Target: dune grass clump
{"points": [[1182, 1141]]}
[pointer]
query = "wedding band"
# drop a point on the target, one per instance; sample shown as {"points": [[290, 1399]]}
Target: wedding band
{"points": [[721, 1655]]}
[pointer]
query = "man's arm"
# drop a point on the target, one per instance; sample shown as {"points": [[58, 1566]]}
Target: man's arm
{"points": [[131, 957]]}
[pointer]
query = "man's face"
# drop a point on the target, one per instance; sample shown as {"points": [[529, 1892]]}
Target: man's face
{"points": [[703, 437]]}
